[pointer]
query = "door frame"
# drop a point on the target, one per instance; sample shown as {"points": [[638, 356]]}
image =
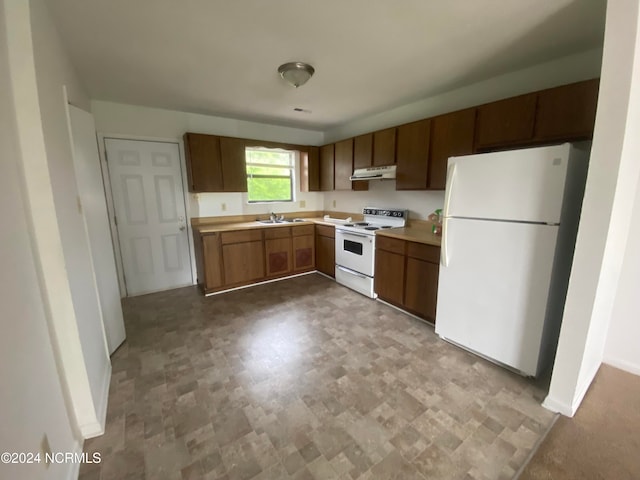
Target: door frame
{"points": [[102, 148]]}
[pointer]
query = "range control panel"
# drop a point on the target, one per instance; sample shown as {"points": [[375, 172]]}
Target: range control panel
{"points": [[386, 212]]}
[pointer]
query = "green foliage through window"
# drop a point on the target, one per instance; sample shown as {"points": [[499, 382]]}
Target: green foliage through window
{"points": [[269, 175]]}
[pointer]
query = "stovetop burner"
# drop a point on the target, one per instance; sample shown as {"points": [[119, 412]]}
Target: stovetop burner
{"points": [[362, 224], [371, 228]]}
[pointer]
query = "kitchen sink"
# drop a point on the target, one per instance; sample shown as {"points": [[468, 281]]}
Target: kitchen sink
{"points": [[286, 220]]}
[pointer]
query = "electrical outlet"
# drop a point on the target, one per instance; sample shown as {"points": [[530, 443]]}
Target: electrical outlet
{"points": [[303, 203], [223, 207], [334, 204], [45, 449]]}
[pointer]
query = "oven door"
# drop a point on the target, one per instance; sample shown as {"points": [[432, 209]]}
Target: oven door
{"points": [[355, 251]]}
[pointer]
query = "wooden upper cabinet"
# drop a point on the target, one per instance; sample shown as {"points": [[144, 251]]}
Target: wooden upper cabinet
{"points": [[363, 151], [326, 168], [451, 134], [310, 170], [567, 112], [384, 147], [412, 155], [204, 168], [234, 170], [506, 122], [343, 164]]}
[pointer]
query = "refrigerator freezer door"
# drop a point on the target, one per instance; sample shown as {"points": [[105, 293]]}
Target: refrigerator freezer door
{"points": [[520, 185], [492, 295]]}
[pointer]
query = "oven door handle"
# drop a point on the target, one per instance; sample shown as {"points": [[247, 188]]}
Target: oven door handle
{"points": [[344, 232], [355, 274]]}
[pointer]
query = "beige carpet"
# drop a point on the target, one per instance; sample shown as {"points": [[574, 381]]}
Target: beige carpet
{"points": [[602, 441]]}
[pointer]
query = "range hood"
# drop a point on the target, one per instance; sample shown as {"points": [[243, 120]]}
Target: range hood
{"points": [[374, 173]]}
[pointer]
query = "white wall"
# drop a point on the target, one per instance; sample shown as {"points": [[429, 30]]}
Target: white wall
{"points": [[53, 71], [606, 213], [382, 193], [38, 68], [623, 341], [32, 397], [574, 68], [151, 123]]}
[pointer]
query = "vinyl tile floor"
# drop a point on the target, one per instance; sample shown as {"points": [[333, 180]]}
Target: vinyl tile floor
{"points": [[305, 379]]}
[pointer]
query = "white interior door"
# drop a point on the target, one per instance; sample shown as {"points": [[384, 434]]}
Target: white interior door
{"points": [[86, 162], [493, 291], [146, 183]]}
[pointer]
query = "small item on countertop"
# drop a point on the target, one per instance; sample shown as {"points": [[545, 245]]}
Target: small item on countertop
{"points": [[436, 222], [327, 218]]}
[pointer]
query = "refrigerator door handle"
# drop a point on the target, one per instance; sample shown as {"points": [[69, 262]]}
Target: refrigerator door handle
{"points": [[444, 252], [449, 189]]}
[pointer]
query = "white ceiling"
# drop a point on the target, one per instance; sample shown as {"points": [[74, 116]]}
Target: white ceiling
{"points": [[220, 57]]}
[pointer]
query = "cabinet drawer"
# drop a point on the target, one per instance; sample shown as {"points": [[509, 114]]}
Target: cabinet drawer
{"points": [[390, 244], [241, 236], [302, 230], [277, 232], [428, 253], [326, 231]]}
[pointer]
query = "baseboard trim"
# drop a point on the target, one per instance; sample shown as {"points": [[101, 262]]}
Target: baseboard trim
{"points": [[623, 365], [566, 409], [96, 428], [557, 406], [261, 283]]}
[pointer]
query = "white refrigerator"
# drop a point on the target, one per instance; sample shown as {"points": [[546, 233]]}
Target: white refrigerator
{"points": [[509, 229]]}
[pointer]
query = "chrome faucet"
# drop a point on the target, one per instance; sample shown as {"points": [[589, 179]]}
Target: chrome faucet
{"points": [[275, 218]]}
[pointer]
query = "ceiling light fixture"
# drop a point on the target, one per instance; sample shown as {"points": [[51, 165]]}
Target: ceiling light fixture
{"points": [[296, 73]]}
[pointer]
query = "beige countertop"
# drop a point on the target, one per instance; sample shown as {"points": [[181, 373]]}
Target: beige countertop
{"points": [[226, 227], [418, 234], [413, 234]]}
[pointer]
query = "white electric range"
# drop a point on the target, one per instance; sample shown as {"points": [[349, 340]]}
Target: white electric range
{"points": [[355, 247]]}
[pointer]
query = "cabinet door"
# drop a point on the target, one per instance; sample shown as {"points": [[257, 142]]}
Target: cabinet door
{"points": [[506, 122], [413, 155], [363, 151], [389, 276], [212, 261], [384, 147], [204, 169], [303, 253], [326, 168], [310, 170], [278, 256], [421, 288], [451, 135], [343, 164], [567, 112], [326, 255], [234, 170], [243, 262]]}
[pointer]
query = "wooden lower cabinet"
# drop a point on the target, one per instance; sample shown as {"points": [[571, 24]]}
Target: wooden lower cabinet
{"points": [[421, 288], [326, 250], [406, 275], [278, 256], [208, 261], [304, 256], [243, 262], [240, 257], [389, 276]]}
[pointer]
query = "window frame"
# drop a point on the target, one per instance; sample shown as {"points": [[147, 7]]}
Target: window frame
{"points": [[291, 167]]}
